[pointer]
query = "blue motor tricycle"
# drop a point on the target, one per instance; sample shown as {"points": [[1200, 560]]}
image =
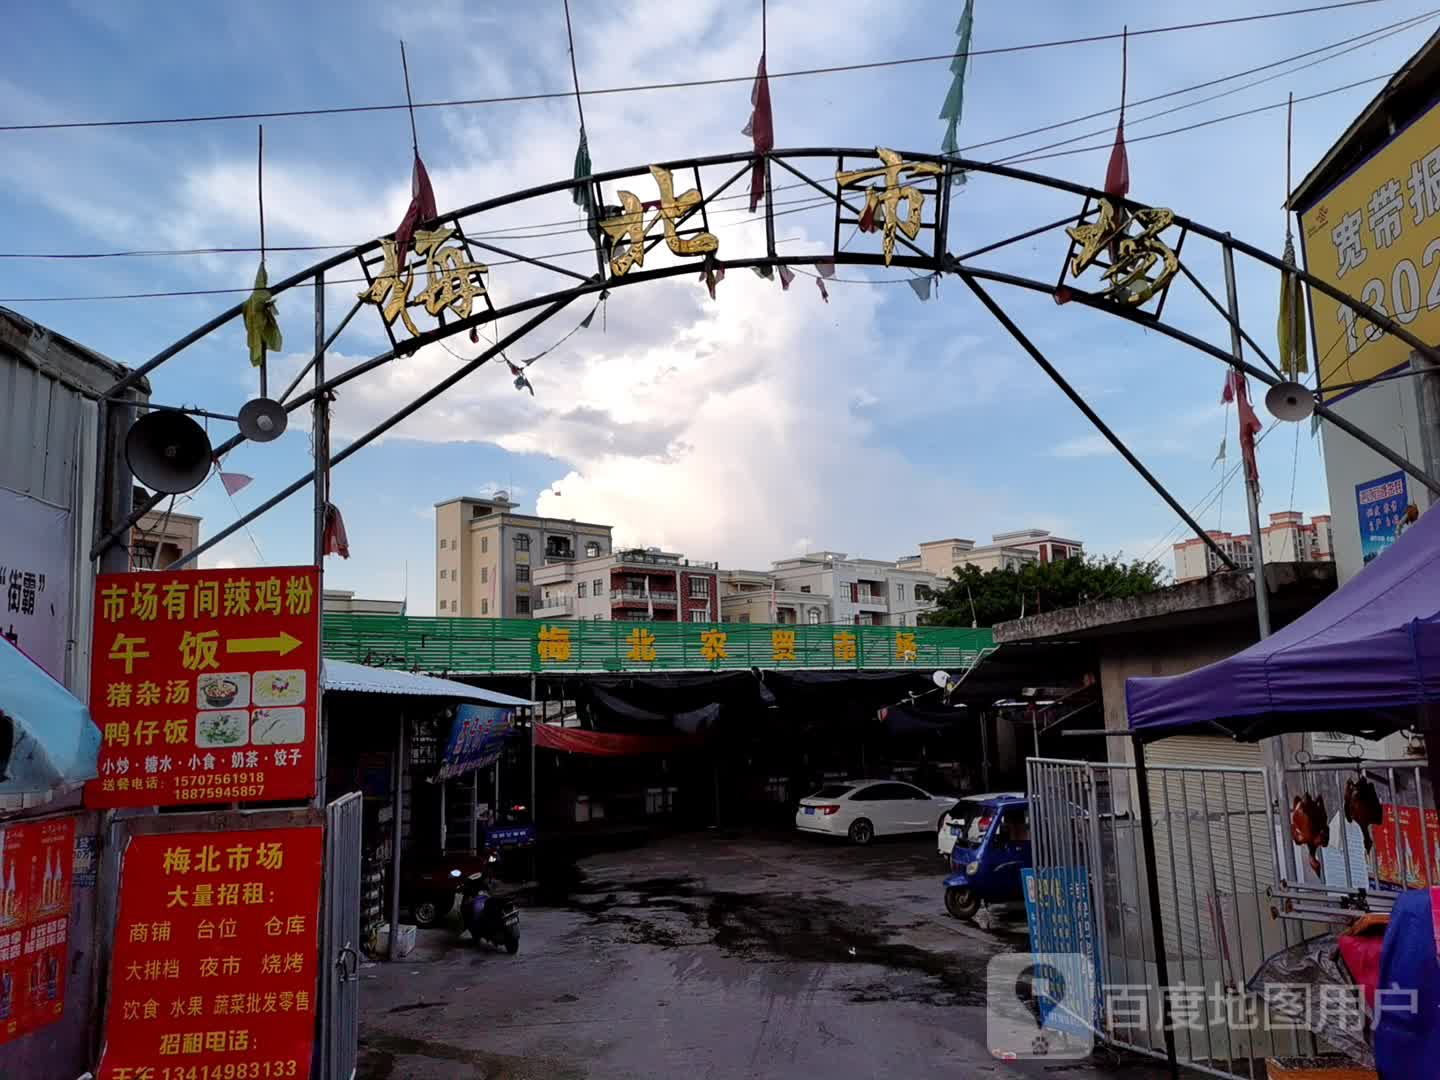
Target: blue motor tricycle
{"points": [[992, 846]]}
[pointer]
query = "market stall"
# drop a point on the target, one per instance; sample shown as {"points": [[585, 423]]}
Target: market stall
{"points": [[1366, 662]]}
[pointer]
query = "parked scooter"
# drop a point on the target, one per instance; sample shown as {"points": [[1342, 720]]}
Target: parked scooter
{"points": [[488, 918]]}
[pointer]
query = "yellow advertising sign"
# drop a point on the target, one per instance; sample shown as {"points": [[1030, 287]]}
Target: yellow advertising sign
{"points": [[1376, 236]]}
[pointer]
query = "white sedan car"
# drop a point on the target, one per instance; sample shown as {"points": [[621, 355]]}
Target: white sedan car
{"points": [[865, 809]]}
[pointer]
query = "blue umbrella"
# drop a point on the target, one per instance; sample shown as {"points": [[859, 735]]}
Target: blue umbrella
{"points": [[48, 742]]}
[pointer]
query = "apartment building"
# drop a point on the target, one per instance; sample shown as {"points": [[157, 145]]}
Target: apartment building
{"points": [[345, 602], [866, 592], [158, 539], [748, 596], [1006, 551], [486, 555], [638, 584], [1288, 538]]}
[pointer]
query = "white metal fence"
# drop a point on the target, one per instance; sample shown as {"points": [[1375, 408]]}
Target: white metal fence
{"points": [[1215, 848]]}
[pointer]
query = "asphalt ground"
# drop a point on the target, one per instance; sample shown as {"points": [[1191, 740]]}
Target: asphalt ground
{"points": [[716, 954]]}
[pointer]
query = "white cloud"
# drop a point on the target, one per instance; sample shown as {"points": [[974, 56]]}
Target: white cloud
{"points": [[1083, 446]]}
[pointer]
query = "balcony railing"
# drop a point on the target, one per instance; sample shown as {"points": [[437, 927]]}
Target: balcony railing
{"points": [[871, 598], [650, 558], [559, 556], [555, 605], [639, 596]]}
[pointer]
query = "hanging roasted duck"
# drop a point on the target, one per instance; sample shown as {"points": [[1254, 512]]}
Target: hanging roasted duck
{"points": [[1362, 806], [1310, 826]]}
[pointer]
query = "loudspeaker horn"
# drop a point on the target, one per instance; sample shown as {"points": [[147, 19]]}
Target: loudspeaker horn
{"points": [[262, 420], [168, 451], [1291, 401]]}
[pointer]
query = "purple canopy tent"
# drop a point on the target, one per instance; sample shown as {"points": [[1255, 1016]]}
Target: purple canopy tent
{"points": [[1358, 662]]}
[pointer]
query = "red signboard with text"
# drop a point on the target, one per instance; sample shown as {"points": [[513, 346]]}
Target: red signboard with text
{"points": [[213, 974], [36, 863], [203, 684]]}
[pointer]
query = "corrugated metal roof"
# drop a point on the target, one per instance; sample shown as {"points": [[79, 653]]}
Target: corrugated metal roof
{"points": [[344, 676]]}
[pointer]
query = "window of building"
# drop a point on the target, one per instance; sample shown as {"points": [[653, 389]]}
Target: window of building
{"points": [[484, 574], [580, 589], [743, 618], [592, 550], [700, 587], [599, 586], [522, 572], [804, 588], [854, 588], [814, 616], [522, 541], [699, 616], [902, 620], [442, 605], [522, 605], [900, 592], [484, 544], [484, 607], [444, 543]]}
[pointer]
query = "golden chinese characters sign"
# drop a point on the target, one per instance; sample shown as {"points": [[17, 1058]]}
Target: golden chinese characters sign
{"points": [[213, 971], [1376, 236], [882, 202], [203, 685], [1140, 262], [630, 225], [451, 281]]}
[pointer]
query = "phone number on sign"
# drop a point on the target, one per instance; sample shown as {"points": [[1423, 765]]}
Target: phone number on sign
{"points": [[232, 1070], [219, 794]]}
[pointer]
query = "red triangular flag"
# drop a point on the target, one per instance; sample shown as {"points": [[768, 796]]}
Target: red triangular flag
{"points": [[1238, 391], [867, 219], [1117, 174], [235, 482], [761, 130], [823, 292], [335, 540], [786, 277], [422, 208]]}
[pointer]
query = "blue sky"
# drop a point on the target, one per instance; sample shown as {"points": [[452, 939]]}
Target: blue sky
{"points": [[742, 430]]}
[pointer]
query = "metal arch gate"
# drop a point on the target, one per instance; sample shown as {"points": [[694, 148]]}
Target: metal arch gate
{"points": [[621, 237], [1215, 852], [337, 1041]]}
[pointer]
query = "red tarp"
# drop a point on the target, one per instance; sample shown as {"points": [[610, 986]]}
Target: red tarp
{"points": [[606, 743]]}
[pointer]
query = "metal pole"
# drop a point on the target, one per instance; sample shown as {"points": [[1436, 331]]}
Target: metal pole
{"points": [[1152, 889], [1252, 494], [534, 719], [397, 810], [474, 806], [443, 807], [320, 439], [1080, 403]]}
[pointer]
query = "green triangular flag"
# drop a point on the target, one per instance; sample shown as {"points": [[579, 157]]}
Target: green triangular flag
{"points": [[955, 98], [582, 172]]}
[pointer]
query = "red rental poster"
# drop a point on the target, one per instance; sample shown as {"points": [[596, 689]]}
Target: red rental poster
{"points": [[203, 684], [213, 975]]}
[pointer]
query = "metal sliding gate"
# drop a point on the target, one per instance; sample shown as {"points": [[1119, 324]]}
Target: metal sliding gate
{"points": [[338, 1041], [1215, 854]]}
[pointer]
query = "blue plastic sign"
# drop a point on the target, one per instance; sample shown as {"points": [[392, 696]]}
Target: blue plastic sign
{"points": [[1381, 504], [477, 736], [1062, 924]]}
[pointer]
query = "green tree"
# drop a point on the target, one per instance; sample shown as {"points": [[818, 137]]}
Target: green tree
{"points": [[995, 596]]}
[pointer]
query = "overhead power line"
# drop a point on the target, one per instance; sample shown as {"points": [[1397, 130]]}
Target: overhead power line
{"points": [[541, 230], [61, 125]]}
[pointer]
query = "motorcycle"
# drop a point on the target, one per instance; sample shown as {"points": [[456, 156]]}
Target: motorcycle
{"points": [[488, 918], [429, 883]]}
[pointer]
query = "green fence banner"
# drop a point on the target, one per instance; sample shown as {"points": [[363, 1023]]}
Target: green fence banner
{"points": [[497, 646]]}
